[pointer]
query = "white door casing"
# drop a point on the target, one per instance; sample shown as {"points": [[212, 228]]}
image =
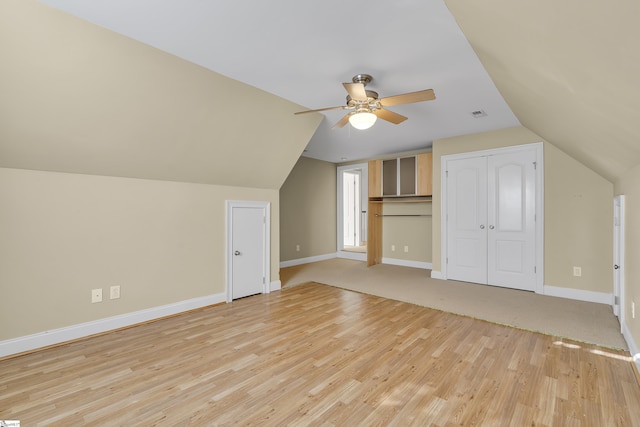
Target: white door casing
{"points": [[248, 248], [497, 242]]}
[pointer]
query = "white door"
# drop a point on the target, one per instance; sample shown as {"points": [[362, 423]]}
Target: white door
{"points": [[467, 220], [618, 258], [247, 251], [511, 219], [490, 219]]}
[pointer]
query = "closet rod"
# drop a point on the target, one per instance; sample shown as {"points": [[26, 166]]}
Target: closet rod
{"points": [[378, 215]]}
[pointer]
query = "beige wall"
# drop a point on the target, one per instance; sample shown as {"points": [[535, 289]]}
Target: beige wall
{"points": [[89, 105], [629, 185], [577, 204], [65, 234], [578, 224], [414, 232], [308, 210]]}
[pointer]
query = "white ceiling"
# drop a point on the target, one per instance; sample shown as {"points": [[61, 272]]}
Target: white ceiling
{"points": [[303, 51]]}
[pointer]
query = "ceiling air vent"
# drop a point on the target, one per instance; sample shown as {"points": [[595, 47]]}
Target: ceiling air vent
{"points": [[478, 113]]}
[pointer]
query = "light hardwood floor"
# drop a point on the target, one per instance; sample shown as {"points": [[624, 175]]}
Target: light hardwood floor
{"points": [[319, 355]]}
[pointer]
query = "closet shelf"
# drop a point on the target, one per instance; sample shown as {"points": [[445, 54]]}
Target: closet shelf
{"points": [[415, 199], [382, 215]]}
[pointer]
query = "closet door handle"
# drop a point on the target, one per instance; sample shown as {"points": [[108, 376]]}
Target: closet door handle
{"points": [[491, 227], [481, 226]]}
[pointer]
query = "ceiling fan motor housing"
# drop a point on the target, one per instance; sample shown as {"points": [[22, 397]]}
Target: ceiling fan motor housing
{"points": [[372, 100]]}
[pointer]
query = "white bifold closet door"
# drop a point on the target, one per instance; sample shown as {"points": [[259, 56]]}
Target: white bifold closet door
{"points": [[490, 218]]}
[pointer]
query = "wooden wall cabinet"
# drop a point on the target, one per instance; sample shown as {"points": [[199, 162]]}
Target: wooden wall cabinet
{"points": [[394, 178], [375, 178], [404, 176], [425, 174]]}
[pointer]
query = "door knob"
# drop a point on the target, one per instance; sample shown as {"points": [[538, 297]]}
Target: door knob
{"points": [[616, 266], [236, 253], [491, 227], [481, 227]]}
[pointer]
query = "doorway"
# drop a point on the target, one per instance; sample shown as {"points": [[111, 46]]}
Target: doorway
{"points": [[352, 213], [247, 248]]}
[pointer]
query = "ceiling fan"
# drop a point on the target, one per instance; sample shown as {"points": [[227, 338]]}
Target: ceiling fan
{"points": [[367, 107]]}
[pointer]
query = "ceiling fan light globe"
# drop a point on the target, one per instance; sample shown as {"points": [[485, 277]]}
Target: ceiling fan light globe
{"points": [[362, 121]]}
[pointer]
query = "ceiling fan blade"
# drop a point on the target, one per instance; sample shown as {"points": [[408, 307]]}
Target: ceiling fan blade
{"points": [[356, 91], [343, 121], [342, 107], [390, 116], [408, 98]]}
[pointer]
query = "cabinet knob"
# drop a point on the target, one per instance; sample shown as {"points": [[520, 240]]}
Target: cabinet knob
{"points": [[491, 227], [481, 226]]}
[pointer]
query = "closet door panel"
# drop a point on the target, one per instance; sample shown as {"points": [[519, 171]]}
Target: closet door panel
{"points": [[511, 219], [467, 219]]}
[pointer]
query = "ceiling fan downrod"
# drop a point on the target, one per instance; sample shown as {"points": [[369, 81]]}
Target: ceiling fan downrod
{"points": [[362, 78]]}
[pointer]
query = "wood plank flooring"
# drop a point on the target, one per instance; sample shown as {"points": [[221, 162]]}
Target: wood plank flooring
{"points": [[318, 355]]}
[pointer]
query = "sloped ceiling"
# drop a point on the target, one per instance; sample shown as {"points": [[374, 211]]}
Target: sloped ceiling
{"points": [[303, 50], [569, 70], [77, 98]]}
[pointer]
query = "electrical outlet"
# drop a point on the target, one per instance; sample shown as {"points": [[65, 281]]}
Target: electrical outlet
{"points": [[577, 271], [114, 292], [406, 249], [96, 295], [393, 248], [297, 248]]}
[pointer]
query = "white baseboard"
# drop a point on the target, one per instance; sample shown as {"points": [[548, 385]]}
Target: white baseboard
{"points": [[276, 285], [633, 347], [437, 275], [578, 294], [407, 263], [307, 260], [81, 330]]}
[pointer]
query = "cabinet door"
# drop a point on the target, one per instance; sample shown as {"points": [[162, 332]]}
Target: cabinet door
{"points": [[375, 178], [425, 174], [407, 176], [390, 177]]}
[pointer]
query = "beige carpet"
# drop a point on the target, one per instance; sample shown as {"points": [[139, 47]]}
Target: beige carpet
{"points": [[578, 320]]}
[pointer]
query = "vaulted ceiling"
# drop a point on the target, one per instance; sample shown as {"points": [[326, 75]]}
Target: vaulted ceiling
{"points": [[303, 51], [169, 88]]}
